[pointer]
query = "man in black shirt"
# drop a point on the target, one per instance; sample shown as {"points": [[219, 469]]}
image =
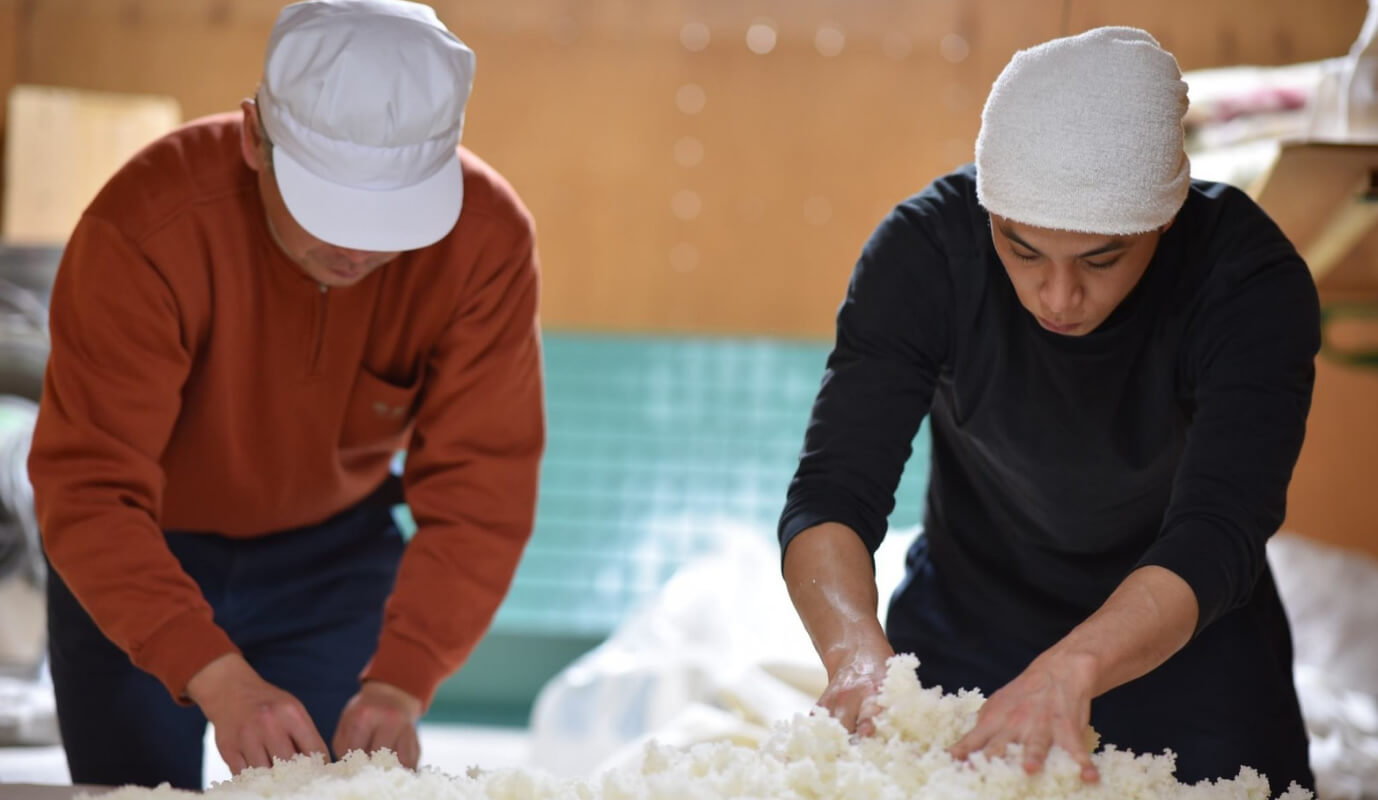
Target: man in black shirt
{"points": [[1117, 363]]}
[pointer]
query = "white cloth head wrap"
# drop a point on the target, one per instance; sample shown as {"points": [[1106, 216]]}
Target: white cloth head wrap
{"points": [[1084, 134]]}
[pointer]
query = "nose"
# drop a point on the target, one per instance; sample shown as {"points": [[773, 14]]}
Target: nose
{"points": [[1060, 291]]}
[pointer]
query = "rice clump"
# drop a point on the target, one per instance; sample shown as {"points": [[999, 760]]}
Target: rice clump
{"points": [[810, 757]]}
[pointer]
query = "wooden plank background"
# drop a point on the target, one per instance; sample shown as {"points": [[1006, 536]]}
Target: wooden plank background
{"points": [[60, 148], [681, 181], [686, 184]]}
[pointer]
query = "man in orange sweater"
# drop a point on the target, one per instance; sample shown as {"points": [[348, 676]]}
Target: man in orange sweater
{"points": [[253, 316]]}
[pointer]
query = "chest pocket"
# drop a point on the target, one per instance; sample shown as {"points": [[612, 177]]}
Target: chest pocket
{"points": [[378, 413]]}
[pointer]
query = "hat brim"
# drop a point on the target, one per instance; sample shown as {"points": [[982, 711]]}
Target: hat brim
{"points": [[360, 219]]}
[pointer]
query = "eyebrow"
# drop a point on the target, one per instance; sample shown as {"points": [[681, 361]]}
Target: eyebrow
{"points": [[1114, 244]]}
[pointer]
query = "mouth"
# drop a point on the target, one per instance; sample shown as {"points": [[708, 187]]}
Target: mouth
{"points": [[345, 273], [1056, 328]]}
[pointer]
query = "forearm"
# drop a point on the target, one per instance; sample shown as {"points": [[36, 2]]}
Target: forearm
{"points": [[448, 589], [831, 581], [1147, 619], [117, 565]]}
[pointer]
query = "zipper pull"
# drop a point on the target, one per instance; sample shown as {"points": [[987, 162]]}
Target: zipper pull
{"points": [[324, 288]]}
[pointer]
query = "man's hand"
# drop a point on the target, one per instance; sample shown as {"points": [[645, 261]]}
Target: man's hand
{"points": [[254, 720], [380, 715], [854, 681], [833, 586], [1148, 617], [1048, 704]]}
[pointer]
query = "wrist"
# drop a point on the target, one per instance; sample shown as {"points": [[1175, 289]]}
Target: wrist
{"points": [[864, 646], [210, 681], [401, 698], [1081, 668]]}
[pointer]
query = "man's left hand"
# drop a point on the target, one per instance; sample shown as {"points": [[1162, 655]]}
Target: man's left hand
{"points": [[380, 715], [1048, 704]]}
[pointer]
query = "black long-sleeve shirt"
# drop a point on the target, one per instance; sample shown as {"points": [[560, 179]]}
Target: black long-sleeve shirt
{"points": [[1167, 436]]}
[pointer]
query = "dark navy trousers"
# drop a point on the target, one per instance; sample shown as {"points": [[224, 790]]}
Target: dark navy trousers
{"points": [[305, 606]]}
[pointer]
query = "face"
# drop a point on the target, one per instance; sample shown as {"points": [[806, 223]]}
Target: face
{"points": [[325, 263], [1071, 282]]}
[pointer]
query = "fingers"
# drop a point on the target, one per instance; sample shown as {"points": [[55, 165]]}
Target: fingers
{"points": [[386, 731], [284, 730], [1074, 743], [993, 734], [369, 728], [350, 734], [846, 714], [973, 742], [854, 707], [409, 749], [253, 751], [841, 706], [399, 736], [234, 758], [255, 722], [998, 746], [305, 738], [1037, 713], [975, 739], [852, 688], [276, 742], [339, 745], [242, 749], [1035, 746], [866, 716], [363, 727], [1036, 749], [272, 732]]}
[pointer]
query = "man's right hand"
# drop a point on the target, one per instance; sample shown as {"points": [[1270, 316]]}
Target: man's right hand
{"points": [[831, 580], [254, 720], [854, 682]]}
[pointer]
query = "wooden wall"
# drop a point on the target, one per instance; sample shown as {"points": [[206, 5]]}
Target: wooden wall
{"points": [[1334, 491], [681, 181], [10, 25], [684, 183]]}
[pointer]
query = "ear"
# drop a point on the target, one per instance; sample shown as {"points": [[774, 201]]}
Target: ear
{"points": [[1165, 228], [250, 142]]}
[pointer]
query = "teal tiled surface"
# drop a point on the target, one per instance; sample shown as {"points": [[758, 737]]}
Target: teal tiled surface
{"points": [[657, 448]]}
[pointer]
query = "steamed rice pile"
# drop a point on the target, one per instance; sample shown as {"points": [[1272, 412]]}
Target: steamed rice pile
{"points": [[808, 758]]}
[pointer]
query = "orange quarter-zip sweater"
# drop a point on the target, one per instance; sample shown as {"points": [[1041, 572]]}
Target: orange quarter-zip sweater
{"points": [[200, 381]]}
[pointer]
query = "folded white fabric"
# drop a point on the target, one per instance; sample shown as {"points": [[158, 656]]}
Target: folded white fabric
{"points": [[1084, 133]]}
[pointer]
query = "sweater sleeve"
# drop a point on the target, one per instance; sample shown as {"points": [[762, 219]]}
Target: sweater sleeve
{"points": [[111, 397], [471, 473], [892, 338], [1251, 361]]}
